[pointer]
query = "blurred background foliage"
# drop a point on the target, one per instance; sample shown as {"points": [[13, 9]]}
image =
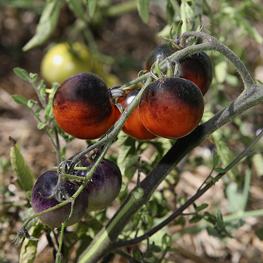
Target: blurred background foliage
{"points": [[119, 36]]}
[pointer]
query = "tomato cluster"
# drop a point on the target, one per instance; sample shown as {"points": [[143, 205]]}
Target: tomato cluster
{"points": [[103, 187], [84, 107], [170, 107]]}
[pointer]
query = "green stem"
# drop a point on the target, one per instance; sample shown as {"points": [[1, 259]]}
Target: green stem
{"points": [[120, 9], [227, 52]]}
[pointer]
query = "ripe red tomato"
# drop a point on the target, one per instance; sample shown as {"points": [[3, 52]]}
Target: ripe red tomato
{"points": [[82, 107], [171, 107], [197, 67], [133, 125]]}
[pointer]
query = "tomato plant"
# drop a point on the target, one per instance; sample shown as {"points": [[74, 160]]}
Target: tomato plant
{"points": [[167, 182], [82, 106], [171, 107]]}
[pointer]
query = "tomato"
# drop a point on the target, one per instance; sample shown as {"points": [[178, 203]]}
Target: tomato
{"points": [[171, 107], [197, 67], [104, 185], [62, 61], [133, 125], [43, 189], [161, 52], [82, 106]]}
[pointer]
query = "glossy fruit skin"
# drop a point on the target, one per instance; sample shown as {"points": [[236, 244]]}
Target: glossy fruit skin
{"points": [[196, 67], [105, 183], [133, 125], [171, 107], [161, 52], [43, 189], [62, 61], [82, 107]]}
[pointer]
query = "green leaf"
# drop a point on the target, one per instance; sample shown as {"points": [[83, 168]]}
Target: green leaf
{"points": [[215, 159], [220, 221], [29, 247], [21, 73], [24, 174], [77, 8], [142, 6], [46, 25], [201, 207], [259, 233], [31, 103], [220, 170], [137, 254], [196, 218], [92, 6], [187, 14], [33, 77], [169, 12], [41, 125], [235, 198], [19, 100], [127, 159]]}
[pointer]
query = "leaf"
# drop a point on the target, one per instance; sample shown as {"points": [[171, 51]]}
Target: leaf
{"points": [[187, 14], [77, 8], [19, 100], [259, 233], [234, 197], [41, 125], [92, 6], [220, 221], [24, 174], [137, 254], [127, 159], [215, 159], [220, 170], [224, 152], [29, 247], [46, 25], [201, 207], [142, 6], [21, 73], [196, 218], [169, 12]]}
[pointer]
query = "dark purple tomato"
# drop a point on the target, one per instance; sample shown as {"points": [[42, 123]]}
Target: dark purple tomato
{"points": [[133, 125], [161, 52], [171, 107], [196, 67], [82, 106], [44, 188], [105, 183]]}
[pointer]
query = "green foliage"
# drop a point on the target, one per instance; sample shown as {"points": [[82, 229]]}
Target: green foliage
{"points": [[46, 25], [22, 171]]}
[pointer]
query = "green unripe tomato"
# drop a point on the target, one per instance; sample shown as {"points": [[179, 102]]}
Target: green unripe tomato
{"points": [[62, 61]]}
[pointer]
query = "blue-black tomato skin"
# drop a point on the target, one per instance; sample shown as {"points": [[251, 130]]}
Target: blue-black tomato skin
{"points": [[197, 67], [105, 184], [171, 107], [82, 106], [43, 188]]}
